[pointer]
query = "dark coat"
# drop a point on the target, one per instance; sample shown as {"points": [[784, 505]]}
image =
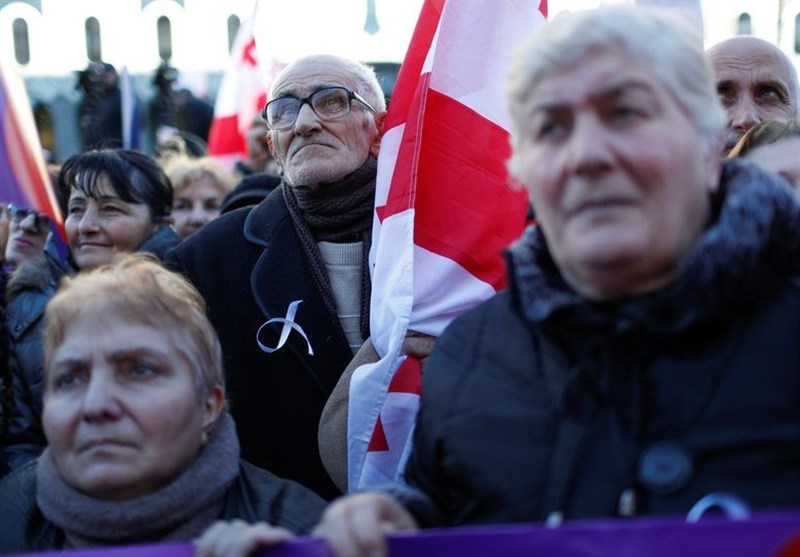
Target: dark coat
{"points": [[256, 495], [249, 266], [30, 288], [539, 401]]}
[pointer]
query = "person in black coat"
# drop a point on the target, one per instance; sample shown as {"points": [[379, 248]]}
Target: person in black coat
{"points": [[286, 282], [645, 355], [141, 448]]}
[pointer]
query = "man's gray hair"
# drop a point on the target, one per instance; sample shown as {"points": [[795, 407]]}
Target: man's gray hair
{"points": [[367, 84], [665, 43]]}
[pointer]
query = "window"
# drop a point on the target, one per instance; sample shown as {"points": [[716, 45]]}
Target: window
{"points": [[22, 50], [44, 125], [233, 29], [93, 51], [164, 28], [745, 26]]}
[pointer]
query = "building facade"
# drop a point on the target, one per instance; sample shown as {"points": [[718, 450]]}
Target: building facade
{"points": [[49, 42]]}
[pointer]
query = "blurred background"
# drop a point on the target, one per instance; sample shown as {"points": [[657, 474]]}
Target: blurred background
{"points": [[80, 58]]}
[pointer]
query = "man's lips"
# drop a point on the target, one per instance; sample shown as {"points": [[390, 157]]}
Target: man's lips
{"points": [[299, 148]]}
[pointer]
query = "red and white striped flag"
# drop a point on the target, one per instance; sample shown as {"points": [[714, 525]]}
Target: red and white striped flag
{"points": [[242, 94], [444, 210]]}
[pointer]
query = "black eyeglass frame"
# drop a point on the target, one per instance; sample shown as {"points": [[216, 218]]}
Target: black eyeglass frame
{"points": [[18, 215], [351, 96]]}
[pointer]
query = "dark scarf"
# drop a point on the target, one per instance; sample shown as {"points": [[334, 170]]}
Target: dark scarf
{"points": [[750, 246], [337, 212], [179, 511]]}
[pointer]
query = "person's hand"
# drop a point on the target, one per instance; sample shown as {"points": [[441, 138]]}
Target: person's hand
{"points": [[357, 525], [418, 345], [238, 538]]}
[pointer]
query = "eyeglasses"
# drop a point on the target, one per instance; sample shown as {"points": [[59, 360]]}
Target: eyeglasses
{"points": [[18, 215], [330, 103]]}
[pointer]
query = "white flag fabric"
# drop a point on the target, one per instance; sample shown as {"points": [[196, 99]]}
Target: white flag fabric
{"points": [[444, 210], [130, 111]]}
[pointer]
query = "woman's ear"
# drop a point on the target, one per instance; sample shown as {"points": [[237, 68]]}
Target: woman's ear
{"points": [[165, 221], [212, 407]]}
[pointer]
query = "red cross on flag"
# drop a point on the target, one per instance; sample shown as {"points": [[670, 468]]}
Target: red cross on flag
{"points": [[444, 207], [242, 94]]}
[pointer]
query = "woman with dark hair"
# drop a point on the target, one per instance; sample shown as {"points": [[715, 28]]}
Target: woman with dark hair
{"points": [[115, 201]]}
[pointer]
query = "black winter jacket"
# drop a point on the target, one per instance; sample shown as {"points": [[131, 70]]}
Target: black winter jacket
{"points": [[256, 495], [30, 288], [541, 402], [249, 266]]}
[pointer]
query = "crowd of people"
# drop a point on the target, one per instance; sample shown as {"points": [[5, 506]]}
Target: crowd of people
{"points": [[643, 357]]}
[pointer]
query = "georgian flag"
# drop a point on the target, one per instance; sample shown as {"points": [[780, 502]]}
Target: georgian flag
{"points": [[24, 179], [242, 95], [444, 210]]}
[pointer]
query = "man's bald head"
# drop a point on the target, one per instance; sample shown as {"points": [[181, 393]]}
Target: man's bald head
{"points": [[756, 82]]}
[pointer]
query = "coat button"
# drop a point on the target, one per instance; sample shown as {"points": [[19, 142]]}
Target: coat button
{"points": [[665, 467]]}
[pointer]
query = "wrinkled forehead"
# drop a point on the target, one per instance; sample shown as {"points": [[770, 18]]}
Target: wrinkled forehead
{"points": [[606, 72], [310, 74], [750, 65]]}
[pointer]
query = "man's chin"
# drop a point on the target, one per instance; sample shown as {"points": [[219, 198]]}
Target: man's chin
{"points": [[313, 177], [731, 141]]}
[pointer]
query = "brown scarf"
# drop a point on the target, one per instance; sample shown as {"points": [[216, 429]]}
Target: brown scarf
{"points": [[337, 212], [179, 511]]}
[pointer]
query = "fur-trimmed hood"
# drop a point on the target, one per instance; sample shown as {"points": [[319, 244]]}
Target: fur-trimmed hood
{"points": [[33, 274], [751, 244]]}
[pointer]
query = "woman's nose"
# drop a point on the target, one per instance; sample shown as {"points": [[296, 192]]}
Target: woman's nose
{"points": [[100, 400], [588, 146], [89, 221]]}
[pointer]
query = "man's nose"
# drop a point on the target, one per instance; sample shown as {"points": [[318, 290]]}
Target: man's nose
{"points": [[744, 114], [307, 120]]}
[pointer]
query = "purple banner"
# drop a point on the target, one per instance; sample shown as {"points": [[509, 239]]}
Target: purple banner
{"points": [[760, 536]]}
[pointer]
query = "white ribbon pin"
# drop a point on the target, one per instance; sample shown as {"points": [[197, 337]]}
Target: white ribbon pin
{"points": [[288, 325]]}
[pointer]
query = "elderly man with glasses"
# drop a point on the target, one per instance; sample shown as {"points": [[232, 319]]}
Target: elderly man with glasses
{"points": [[286, 281]]}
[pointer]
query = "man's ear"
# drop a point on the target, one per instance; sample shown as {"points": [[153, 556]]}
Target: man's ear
{"points": [[270, 145], [380, 122]]}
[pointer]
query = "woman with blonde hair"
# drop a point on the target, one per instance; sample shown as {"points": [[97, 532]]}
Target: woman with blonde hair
{"points": [[141, 447], [199, 187]]}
